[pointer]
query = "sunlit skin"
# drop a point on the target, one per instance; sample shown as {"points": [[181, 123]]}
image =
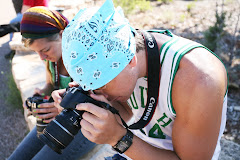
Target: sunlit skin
{"points": [[52, 51], [47, 50], [197, 96], [120, 92]]}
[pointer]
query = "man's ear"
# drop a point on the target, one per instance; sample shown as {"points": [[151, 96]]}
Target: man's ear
{"points": [[133, 62]]}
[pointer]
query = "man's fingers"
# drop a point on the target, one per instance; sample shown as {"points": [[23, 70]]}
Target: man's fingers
{"points": [[99, 97], [57, 95], [93, 109], [92, 119], [87, 134], [60, 108], [73, 84], [86, 125]]}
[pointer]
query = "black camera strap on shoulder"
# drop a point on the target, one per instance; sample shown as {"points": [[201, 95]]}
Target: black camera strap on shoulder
{"points": [[153, 80], [153, 83]]}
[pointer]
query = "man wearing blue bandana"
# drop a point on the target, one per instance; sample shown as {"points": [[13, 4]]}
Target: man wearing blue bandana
{"points": [[174, 105]]}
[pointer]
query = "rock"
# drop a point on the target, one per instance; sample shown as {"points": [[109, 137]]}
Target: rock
{"points": [[233, 85], [230, 150]]}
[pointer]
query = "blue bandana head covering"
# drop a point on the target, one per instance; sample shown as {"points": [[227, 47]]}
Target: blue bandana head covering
{"points": [[97, 45]]}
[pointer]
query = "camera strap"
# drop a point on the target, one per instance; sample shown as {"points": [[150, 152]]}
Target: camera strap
{"points": [[56, 77], [154, 68], [153, 64]]}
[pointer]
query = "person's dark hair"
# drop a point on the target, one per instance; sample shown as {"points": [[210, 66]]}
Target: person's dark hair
{"points": [[28, 41]]}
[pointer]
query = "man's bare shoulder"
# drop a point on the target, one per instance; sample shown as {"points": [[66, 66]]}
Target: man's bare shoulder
{"points": [[200, 72], [197, 96]]}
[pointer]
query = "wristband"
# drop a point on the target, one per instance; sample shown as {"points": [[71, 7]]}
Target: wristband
{"points": [[124, 143]]}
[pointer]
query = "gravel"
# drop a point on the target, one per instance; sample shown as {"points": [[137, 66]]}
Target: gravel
{"points": [[13, 126]]}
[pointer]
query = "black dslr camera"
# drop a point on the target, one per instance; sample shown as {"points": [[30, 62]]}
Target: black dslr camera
{"points": [[61, 131], [32, 103]]}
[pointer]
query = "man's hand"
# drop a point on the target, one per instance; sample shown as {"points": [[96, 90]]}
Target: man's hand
{"points": [[57, 97], [100, 125]]}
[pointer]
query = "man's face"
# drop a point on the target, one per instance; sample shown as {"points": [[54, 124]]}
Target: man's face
{"points": [[120, 88]]}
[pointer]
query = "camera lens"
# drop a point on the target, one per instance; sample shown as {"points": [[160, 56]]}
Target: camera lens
{"points": [[60, 132], [40, 126]]}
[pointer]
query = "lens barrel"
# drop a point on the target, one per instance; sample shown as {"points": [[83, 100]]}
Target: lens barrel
{"points": [[60, 132]]}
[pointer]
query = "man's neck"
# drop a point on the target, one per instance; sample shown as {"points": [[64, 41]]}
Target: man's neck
{"points": [[142, 63]]}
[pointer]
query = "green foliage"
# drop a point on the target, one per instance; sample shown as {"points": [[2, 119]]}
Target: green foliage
{"points": [[143, 5], [229, 1], [214, 33], [129, 6], [165, 1], [182, 17], [14, 97], [190, 6]]}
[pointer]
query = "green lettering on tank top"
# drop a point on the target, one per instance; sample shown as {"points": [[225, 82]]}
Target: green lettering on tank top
{"points": [[156, 132], [142, 97], [162, 120], [133, 105]]}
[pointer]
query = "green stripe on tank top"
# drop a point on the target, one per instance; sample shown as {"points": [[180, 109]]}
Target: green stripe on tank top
{"points": [[169, 41], [223, 64], [172, 42], [177, 64], [175, 71]]}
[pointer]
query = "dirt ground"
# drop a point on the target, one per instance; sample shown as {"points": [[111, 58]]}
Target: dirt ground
{"points": [[13, 127]]}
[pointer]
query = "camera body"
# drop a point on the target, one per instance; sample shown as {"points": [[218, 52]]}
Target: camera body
{"points": [[61, 131], [32, 103]]}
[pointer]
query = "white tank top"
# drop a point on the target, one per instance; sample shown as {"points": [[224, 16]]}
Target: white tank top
{"points": [[159, 131]]}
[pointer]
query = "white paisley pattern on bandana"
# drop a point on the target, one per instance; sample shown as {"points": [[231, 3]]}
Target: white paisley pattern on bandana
{"points": [[97, 45]]}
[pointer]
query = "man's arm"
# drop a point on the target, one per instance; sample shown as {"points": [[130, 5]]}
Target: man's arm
{"points": [[197, 94], [102, 127]]}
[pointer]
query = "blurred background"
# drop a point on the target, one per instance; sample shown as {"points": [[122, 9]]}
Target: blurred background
{"points": [[214, 23]]}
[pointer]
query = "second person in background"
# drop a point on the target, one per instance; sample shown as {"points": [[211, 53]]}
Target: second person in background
{"points": [[42, 29]]}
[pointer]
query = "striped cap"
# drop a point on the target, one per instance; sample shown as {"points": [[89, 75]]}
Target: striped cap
{"points": [[40, 22]]}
